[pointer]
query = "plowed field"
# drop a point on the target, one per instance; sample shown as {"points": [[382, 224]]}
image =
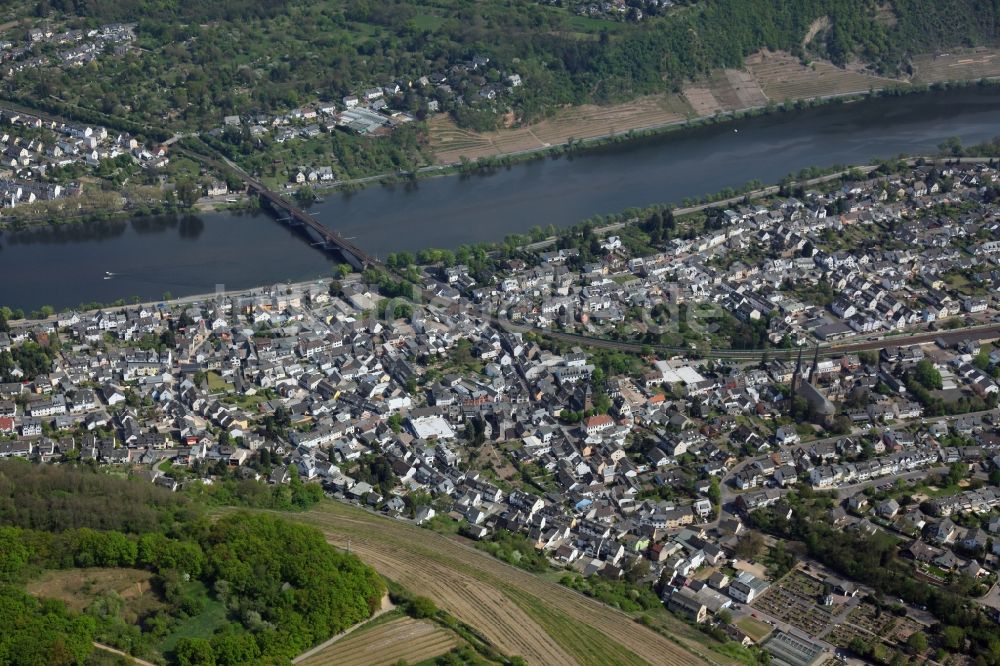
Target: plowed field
{"points": [[522, 614], [386, 644], [450, 143], [965, 64]]}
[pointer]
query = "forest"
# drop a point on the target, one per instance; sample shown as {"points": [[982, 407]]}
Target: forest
{"points": [[274, 588], [41, 632], [201, 61]]}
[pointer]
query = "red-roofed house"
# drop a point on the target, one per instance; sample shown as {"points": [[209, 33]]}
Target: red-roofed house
{"points": [[598, 423], [6, 425]]}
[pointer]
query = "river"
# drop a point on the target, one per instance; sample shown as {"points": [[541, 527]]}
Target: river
{"points": [[67, 266]]}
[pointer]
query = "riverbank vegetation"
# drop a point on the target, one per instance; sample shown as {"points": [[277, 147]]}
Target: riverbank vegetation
{"points": [[349, 155], [243, 588]]}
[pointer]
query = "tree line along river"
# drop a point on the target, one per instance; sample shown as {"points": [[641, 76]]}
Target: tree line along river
{"points": [[68, 265]]}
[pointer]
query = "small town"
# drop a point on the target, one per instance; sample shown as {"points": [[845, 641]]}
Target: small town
{"points": [[477, 84], [44, 159], [44, 47], [500, 332], [658, 411]]}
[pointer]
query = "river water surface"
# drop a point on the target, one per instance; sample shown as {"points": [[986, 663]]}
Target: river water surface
{"points": [[190, 255]]}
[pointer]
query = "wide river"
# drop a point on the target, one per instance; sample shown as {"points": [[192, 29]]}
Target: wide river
{"points": [[148, 257]]}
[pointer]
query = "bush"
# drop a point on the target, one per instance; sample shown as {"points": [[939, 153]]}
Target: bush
{"points": [[194, 652], [421, 607]]}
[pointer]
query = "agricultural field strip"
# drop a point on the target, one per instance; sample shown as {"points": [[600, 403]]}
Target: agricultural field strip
{"points": [[368, 625], [776, 76], [782, 77], [964, 64], [450, 143], [386, 644], [503, 622], [442, 563], [506, 625]]}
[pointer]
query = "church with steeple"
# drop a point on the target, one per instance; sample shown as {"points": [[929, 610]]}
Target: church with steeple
{"points": [[820, 408]]}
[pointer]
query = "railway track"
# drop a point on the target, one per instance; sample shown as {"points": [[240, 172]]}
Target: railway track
{"points": [[983, 332]]}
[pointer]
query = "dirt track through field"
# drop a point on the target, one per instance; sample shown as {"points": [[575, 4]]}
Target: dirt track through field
{"points": [[508, 605]]}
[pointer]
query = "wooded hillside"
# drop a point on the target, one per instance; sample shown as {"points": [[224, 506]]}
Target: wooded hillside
{"points": [[242, 588], [202, 61]]}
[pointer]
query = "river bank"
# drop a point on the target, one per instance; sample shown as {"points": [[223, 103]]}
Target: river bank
{"points": [[581, 147], [190, 254], [489, 165]]}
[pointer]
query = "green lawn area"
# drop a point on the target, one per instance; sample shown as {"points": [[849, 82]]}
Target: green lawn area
{"points": [[443, 524], [203, 625], [805, 430], [934, 571], [183, 167], [251, 400], [755, 628], [956, 280], [216, 383], [244, 401]]}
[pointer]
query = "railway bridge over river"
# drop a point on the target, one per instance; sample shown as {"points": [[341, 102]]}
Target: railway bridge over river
{"points": [[295, 216], [289, 213]]}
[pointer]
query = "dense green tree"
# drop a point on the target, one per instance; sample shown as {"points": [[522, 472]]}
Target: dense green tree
{"points": [[14, 553], [917, 642], [157, 552], [194, 652], [234, 648], [421, 607], [290, 576], [91, 548], [41, 632], [928, 376], [953, 637]]}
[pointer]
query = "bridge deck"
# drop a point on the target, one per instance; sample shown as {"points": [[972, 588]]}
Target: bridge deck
{"points": [[330, 237]]}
